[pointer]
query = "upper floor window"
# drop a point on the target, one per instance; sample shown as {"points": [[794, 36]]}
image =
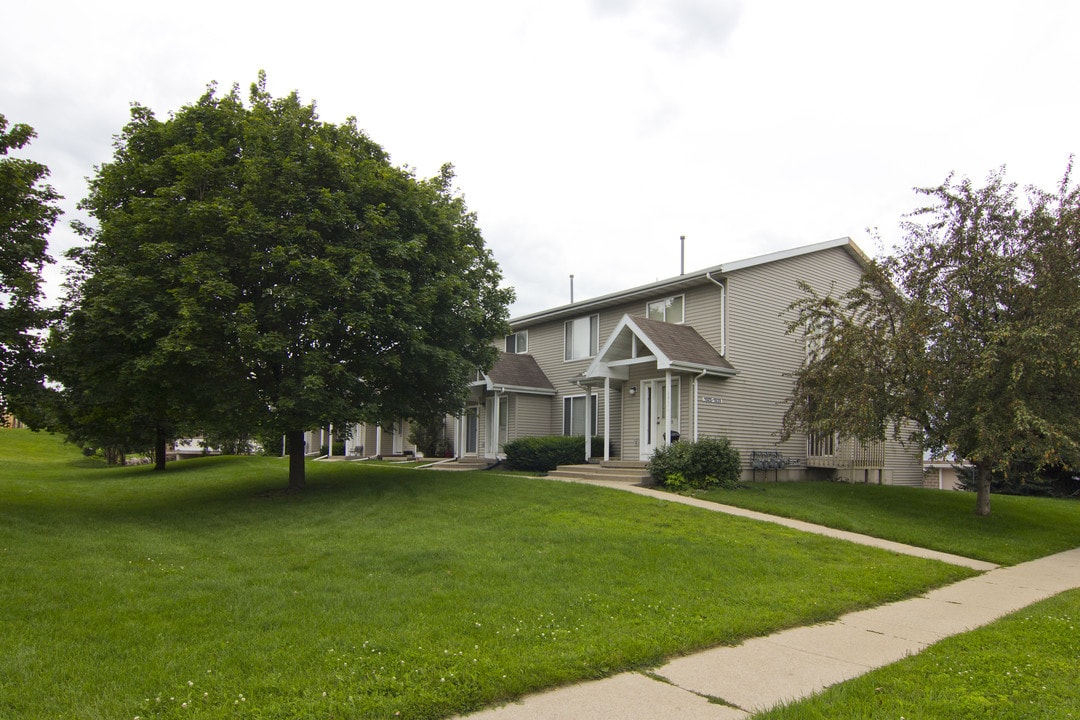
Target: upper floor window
{"points": [[817, 331], [582, 338], [666, 310], [518, 342]]}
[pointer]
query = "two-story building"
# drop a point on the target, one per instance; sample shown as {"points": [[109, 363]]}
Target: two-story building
{"points": [[705, 353]]}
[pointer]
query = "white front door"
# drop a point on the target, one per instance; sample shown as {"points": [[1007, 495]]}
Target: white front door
{"points": [[654, 405], [472, 426], [396, 442]]}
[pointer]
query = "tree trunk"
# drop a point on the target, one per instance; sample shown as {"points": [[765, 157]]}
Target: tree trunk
{"points": [[159, 450], [982, 492], [295, 439]]}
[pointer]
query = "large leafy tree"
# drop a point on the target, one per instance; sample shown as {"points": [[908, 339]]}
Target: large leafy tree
{"points": [[28, 211], [965, 339], [262, 271]]}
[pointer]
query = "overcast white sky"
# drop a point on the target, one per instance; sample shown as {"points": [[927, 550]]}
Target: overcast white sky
{"points": [[588, 135]]}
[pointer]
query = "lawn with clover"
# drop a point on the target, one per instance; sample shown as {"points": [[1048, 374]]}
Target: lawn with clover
{"points": [[379, 592]]}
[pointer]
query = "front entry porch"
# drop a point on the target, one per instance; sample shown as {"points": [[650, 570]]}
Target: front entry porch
{"points": [[614, 471], [655, 369]]}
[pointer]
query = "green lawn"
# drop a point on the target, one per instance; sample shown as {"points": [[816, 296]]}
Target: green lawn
{"points": [[202, 592], [1018, 528], [1024, 667]]}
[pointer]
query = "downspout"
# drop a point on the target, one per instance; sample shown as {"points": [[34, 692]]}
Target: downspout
{"points": [[697, 403], [607, 419], [723, 312], [667, 407]]}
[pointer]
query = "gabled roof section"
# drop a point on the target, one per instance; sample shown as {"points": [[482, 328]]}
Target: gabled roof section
{"points": [[638, 340], [518, 373], [674, 284]]}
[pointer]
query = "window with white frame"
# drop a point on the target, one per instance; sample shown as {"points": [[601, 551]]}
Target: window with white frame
{"points": [[574, 414], [817, 330], [666, 310], [518, 342], [582, 338]]}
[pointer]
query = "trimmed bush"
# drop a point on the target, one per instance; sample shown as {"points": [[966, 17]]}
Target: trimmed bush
{"points": [[709, 462], [541, 454]]}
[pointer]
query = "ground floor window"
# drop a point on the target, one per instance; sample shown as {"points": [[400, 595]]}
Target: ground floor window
{"points": [[574, 414]]}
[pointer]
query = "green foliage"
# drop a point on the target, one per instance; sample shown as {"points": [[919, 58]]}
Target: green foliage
{"points": [[708, 462], [542, 454], [970, 331], [28, 212], [429, 437], [339, 449], [1027, 478], [255, 270]]}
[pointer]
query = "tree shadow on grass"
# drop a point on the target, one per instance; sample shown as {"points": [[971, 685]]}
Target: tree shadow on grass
{"points": [[199, 490]]}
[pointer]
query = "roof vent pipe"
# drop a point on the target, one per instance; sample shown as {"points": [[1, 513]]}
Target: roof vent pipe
{"points": [[571, 288], [682, 254]]}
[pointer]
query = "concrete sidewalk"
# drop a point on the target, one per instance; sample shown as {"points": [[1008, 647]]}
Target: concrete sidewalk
{"points": [[794, 664]]}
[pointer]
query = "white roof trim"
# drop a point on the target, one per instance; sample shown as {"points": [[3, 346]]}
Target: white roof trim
{"points": [[693, 278], [600, 368]]}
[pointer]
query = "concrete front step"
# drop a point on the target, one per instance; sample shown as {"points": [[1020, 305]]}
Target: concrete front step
{"points": [[462, 464], [624, 474]]}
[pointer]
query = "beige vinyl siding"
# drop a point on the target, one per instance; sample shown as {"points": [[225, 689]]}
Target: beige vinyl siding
{"points": [[748, 322], [530, 415], [761, 350], [546, 345], [903, 461], [714, 419]]}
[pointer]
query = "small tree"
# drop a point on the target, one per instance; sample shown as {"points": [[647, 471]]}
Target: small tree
{"points": [[28, 212], [970, 331], [260, 271]]}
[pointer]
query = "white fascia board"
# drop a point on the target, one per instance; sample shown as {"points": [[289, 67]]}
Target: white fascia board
{"points": [[843, 242], [525, 390], [595, 369], [708, 369], [687, 280]]}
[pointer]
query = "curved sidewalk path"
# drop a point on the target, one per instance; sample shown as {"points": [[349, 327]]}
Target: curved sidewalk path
{"points": [[731, 683]]}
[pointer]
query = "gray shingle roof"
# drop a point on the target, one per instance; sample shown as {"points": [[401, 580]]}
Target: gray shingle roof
{"points": [[681, 343], [519, 371]]}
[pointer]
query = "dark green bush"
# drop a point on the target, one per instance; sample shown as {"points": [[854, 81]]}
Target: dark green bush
{"points": [[706, 463], [429, 437], [546, 453]]}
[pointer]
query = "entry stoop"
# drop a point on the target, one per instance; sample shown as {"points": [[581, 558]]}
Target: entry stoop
{"points": [[463, 463], [615, 471]]}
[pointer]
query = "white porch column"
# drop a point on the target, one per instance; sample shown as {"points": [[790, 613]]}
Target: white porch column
{"points": [[330, 443], [588, 424], [667, 409], [457, 436], [378, 439], [607, 419], [493, 431]]}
